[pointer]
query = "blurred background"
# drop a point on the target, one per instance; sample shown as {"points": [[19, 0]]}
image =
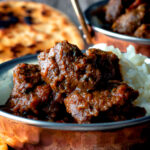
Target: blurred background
{"points": [[66, 7]]}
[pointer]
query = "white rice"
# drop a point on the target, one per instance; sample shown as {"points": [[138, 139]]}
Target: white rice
{"points": [[135, 70]]}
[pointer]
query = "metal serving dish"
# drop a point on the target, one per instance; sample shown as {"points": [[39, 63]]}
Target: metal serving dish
{"points": [[20, 132], [102, 35]]}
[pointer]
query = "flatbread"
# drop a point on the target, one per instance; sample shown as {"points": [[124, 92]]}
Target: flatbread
{"points": [[31, 27], [3, 146]]}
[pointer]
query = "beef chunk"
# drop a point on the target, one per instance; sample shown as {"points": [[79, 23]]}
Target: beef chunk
{"points": [[85, 105], [25, 77], [57, 113], [143, 31], [31, 102], [107, 62], [30, 94], [64, 67], [115, 8], [128, 22], [120, 113]]}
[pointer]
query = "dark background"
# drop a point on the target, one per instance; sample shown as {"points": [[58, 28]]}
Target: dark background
{"points": [[66, 7]]}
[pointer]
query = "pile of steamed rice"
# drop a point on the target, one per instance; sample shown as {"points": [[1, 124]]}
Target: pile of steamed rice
{"points": [[135, 69]]}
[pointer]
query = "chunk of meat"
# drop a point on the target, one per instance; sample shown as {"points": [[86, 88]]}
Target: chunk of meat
{"points": [[107, 62], [128, 22], [115, 8], [31, 102], [64, 67], [143, 31], [30, 94], [57, 113], [85, 105], [25, 77], [120, 113]]}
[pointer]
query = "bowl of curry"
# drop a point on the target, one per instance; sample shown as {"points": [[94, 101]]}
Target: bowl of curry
{"points": [[68, 99], [120, 23]]}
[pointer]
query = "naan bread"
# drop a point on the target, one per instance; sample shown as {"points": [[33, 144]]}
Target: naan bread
{"points": [[30, 27], [3, 146]]}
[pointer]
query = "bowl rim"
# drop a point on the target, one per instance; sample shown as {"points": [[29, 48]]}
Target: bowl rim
{"points": [[108, 32], [6, 66]]}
